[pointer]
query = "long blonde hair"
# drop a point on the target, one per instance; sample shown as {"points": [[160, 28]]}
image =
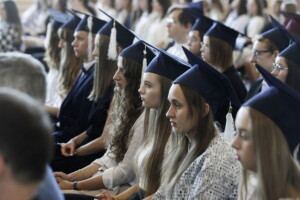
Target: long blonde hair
{"points": [[69, 64], [180, 155], [104, 70], [277, 171], [157, 130]]}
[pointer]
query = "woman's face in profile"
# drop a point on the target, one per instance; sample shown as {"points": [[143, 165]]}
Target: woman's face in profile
{"points": [[243, 142]]}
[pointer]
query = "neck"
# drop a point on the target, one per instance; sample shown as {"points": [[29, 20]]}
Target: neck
{"points": [[10, 190], [191, 138], [182, 40]]}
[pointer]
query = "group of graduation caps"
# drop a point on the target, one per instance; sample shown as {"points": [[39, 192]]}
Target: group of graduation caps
{"points": [[279, 102]]}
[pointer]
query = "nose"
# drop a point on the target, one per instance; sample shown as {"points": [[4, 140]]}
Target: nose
{"points": [[170, 112], [141, 89], [60, 44], [74, 43], [253, 59], [274, 72], [116, 76], [235, 143], [95, 51]]}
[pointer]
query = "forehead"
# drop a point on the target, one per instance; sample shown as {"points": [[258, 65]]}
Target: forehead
{"points": [[151, 77], [175, 13], [176, 93], [243, 118], [259, 45], [81, 34]]}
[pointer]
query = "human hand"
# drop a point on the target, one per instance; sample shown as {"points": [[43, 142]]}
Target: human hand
{"points": [[65, 185], [68, 149], [105, 196], [60, 176]]}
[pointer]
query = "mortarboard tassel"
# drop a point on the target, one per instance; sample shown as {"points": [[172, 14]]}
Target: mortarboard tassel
{"points": [[112, 48], [229, 127], [144, 60], [90, 37]]}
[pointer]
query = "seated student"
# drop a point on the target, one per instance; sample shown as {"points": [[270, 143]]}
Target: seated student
{"points": [[200, 164], [74, 112], [267, 135], [196, 34], [52, 57], [26, 74], [154, 90], [180, 21], [217, 50], [114, 170], [265, 49], [81, 150], [287, 66]]}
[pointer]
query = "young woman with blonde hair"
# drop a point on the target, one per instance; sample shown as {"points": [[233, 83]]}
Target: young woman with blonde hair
{"points": [[200, 163], [267, 135]]}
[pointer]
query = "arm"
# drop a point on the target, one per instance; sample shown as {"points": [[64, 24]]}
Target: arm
{"points": [[123, 196], [83, 175], [53, 111], [97, 144], [69, 148], [123, 173]]}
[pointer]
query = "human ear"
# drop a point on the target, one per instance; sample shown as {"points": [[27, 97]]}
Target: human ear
{"points": [[206, 109]]}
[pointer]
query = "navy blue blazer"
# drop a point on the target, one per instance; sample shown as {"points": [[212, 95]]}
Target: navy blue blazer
{"points": [[74, 112]]}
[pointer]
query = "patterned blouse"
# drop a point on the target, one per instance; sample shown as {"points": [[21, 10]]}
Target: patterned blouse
{"points": [[213, 175], [9, 38]]}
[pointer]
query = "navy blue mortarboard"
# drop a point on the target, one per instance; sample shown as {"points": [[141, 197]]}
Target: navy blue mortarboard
{"points": [[96, 23], [137, 52], [202, 24], [208, 82], [59, 19], [278, 37], [117, 34], [281, 104], [195, 10], [167, 65], [124, 37], [72, 23], [222, 32], [292, 53]]}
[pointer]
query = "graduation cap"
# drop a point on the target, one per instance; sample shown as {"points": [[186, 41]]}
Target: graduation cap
{"points": [[89, 23], [278, 37], [222, 32], [202, 24], [195, 10], [167, 65], [72, 23], [280, 103], [117, 34], [59, 19], [208, 82], [292, 53], [140, 52]]}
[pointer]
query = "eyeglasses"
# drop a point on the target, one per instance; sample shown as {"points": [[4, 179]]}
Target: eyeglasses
{"points": [[257, 53], [278, 67]]}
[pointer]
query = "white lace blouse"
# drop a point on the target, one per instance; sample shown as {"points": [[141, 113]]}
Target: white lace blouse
{"points": [[213, 175]]}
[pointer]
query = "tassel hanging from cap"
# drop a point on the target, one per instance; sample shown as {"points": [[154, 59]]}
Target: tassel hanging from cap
{"points": [[229, 127], [144, 60], [112, 48], [90, 37]]}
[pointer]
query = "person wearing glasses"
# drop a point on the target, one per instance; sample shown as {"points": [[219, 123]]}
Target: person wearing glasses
{"points": [[265, 49], [287, 66]]}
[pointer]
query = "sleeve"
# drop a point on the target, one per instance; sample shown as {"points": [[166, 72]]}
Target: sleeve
{"points": [[123, 173], [255, 26]]}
